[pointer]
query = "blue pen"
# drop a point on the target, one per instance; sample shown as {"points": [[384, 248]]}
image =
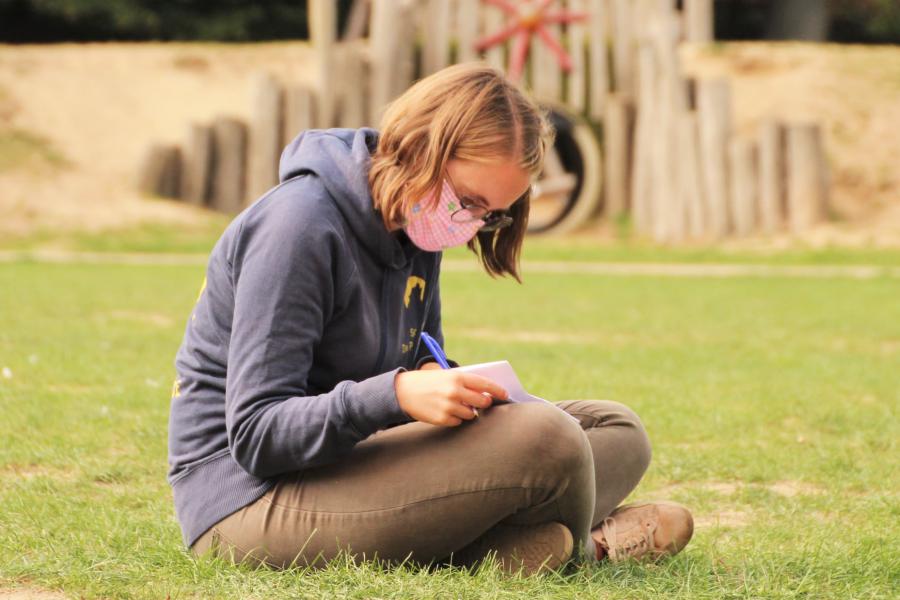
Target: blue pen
{"points": [[435, 350], [439, 356]]}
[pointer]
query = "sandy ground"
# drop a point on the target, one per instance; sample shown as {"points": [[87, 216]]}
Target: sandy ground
{"points": [[99, 106]]}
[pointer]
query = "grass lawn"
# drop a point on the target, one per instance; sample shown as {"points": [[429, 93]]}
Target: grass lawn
{"points": [[161, 238], [772, 405]]}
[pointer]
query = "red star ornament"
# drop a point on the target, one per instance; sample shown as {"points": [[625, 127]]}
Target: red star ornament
{"points": [[524, 20]]}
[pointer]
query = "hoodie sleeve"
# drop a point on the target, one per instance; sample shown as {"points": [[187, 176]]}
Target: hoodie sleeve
{"points": [[433, 324], [285, 278]]}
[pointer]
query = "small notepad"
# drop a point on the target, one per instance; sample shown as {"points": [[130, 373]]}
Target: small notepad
{"points": [[502, 372]]}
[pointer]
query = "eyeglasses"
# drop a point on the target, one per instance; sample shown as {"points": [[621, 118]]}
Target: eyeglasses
{"points": [[470, 212]]}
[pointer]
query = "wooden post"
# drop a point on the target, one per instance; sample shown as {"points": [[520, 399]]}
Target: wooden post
{"points": [[617, 152], [807, 191], [598, 58], [576, 84], [624, 46], [229, 164], [699, 24], [467, 24], [354, 75], [322, 18], [714, 106], [436, 38], [670, 218], [392, 66], [197, 165], [355, 27], [690, 174], [546, 73], [299, 111], [645, 130], [160, 171], [771, 176], [494, 20], [744, 178], [266, 127]]}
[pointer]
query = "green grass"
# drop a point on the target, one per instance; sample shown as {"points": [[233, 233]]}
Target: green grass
{"points": [[771, 403], [22, 149], [159, 238], [145, 238]]}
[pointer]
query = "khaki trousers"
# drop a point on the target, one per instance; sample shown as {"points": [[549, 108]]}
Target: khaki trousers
{"points": [[418, 492]]}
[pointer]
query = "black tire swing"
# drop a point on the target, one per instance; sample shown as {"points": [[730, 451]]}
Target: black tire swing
{"points": [[569, 190]]}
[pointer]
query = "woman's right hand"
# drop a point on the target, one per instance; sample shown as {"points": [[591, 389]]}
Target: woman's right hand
{"points": [[444, 397]]}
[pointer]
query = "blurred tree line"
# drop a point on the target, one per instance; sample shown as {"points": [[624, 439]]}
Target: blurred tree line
{"points": [[866, 21], [852, 21], [95, 20]]}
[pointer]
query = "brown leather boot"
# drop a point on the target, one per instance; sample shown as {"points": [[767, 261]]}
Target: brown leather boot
{"points": [[531, 548], [644, 530]]}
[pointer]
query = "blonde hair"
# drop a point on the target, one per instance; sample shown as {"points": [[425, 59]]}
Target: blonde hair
{"points": [[467, 111]]}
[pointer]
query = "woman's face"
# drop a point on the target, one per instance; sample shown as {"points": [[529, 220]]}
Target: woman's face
{"points": [[494, 185]]}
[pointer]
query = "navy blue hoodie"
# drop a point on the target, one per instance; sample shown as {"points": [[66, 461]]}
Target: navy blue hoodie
{"points": [[309, 309]]}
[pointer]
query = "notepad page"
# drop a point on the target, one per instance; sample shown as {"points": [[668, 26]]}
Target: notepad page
{"points": [[502, 373]]}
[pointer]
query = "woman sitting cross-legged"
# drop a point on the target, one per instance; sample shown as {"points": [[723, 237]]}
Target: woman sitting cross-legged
{"points": [[308, 417]]}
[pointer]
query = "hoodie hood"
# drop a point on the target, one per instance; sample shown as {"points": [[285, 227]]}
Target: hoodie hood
{"points": [[340, 157]]}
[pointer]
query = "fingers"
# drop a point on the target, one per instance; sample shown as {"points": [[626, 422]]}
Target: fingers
{"points": [[478, 383], [476, 399], [460, 411]]}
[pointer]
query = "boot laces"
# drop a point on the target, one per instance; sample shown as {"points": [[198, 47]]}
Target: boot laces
{"points": [[636, 541]]}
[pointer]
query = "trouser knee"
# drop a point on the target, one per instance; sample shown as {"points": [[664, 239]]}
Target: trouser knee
{"points": [[638, 442], [543, 440]]}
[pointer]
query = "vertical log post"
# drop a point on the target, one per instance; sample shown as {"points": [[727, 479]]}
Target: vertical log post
{"points": [[299, 111], [598, 58], [690, 178], [616, 152], [494, 20], [645, 128], [355, 27], [624, 46], [576, 87], [322, 17], [436, 41], [391, 42], [353, 108], [670, 219], [546, 73], [197, 165], [807, 191], [467, 29], [265, 141], [744, 179], [771, 176], [714, 106], [229, 164], [160, 171], [699, 23]]}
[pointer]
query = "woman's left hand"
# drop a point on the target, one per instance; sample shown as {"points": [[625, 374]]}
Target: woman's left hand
{"points": [[430, 365]]}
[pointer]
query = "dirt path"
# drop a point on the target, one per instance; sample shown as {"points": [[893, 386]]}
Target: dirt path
{"points": [[542, 267]]}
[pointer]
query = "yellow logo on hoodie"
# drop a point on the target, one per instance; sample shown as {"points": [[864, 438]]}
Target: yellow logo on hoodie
{"points": [[412, 283]]}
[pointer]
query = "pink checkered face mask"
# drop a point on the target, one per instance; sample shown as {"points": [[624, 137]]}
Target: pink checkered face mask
{"points": [[432, 229]]}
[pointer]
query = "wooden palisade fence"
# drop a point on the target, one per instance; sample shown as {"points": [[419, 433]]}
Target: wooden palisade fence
{"points": [[672, 162]]}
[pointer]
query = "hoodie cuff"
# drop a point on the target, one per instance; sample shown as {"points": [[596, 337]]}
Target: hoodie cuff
{"points": [[427, 359], [372, 403]]}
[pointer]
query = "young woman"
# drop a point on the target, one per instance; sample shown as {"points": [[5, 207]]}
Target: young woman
{"points": [[307, 415]]}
